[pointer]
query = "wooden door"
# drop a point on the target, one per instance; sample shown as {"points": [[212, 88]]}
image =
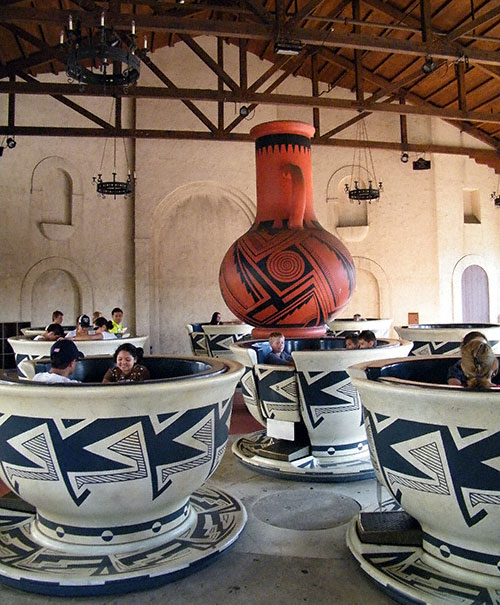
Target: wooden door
{"points": [[475, 295]]}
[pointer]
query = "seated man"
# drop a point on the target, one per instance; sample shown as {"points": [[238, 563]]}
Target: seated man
{"points": [[352, 341], [63, 356], [116, 320], [52, 332], [82, 328], [367, 340], [101, 327], [57, 318], [278, 355]]}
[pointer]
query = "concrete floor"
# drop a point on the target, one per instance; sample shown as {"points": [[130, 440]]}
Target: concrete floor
{"points": [[292, 549]]}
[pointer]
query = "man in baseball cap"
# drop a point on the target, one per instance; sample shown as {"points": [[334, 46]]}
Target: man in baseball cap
{"points": [[63, 357], [82, 327]]}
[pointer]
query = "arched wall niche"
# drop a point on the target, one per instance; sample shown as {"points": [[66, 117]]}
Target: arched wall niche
{"points": [[192, 228], [56, 197], [371, 283], [351, 218], [82, 288], [456, 285]]}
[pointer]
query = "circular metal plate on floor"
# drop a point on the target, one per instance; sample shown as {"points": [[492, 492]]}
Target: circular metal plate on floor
{"points": [[305, 509], [27, 565]]}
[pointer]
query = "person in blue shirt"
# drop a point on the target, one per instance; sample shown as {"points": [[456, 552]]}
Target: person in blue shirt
{"points": [[278, 355]]}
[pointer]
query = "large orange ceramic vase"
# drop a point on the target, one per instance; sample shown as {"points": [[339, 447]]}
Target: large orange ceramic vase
{"points": [[286, 273]]}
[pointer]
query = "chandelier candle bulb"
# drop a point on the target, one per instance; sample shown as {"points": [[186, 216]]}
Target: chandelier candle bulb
{"points": [[133, 28], [61, 37], [70, 23], [102, 19]]}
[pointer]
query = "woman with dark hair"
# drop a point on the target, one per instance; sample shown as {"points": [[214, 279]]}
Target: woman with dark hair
{"points": [[102, 327], [128, 368], [216, 319]]}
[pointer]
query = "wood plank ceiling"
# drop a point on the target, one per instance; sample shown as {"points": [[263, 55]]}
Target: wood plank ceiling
{"points": [[374, 48]]}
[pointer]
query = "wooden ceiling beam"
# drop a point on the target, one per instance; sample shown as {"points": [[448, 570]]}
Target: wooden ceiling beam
{"points": [[207, 59], [168, 82], [438, 47], [284, 75], [425, 20], [258, 10], [305, 11], [199, 94], [480, 18], [389, 87], [71, 104], [136, 133]]}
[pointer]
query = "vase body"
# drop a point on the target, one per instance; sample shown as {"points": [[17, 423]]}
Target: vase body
{"points": [[286, 273]]}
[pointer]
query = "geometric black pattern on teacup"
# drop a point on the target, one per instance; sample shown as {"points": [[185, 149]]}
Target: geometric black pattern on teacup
{"points": [[278, 392], [404, 565], [217, 522], [248, 388], [440, 348], [435, 348], [328, 393], [461, 462], [218, 344], [22, 363], [85, 452], [199, 343]]}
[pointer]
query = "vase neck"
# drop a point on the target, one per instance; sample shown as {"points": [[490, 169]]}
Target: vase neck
{"points": [[284, 179]]}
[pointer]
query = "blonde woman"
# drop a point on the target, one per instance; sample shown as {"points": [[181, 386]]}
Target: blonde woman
{"points": [[479, 364]]}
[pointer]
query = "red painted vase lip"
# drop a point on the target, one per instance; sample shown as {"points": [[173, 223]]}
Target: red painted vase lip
{"points": [[282, 127]]}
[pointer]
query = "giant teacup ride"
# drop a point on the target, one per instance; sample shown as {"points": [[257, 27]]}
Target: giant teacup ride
{"points": [[31, 332], [115, 474], [436, 449], [445, 338], [380, 327], [311, 412], [27, 349]]}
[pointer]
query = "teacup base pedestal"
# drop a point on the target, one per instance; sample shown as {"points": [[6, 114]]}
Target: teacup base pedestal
{"points": [[407, 573], [251, 451], [25, 564]]}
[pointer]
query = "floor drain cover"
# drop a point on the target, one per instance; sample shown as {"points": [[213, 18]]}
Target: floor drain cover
{"points": [[305, 509]]}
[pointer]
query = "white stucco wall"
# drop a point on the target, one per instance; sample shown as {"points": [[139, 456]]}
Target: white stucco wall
{"points": [[157, 255]]}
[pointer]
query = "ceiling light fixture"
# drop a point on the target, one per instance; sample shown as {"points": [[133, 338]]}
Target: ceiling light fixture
{"points": [[405, 157], [429, 65], [114, 187], [89, 60], [495, 196], [363, 162], [11, 142], [285, 46]]}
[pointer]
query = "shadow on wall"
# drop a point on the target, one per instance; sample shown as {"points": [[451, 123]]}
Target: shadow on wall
{"points": [[52, 283], [192, 229]]}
